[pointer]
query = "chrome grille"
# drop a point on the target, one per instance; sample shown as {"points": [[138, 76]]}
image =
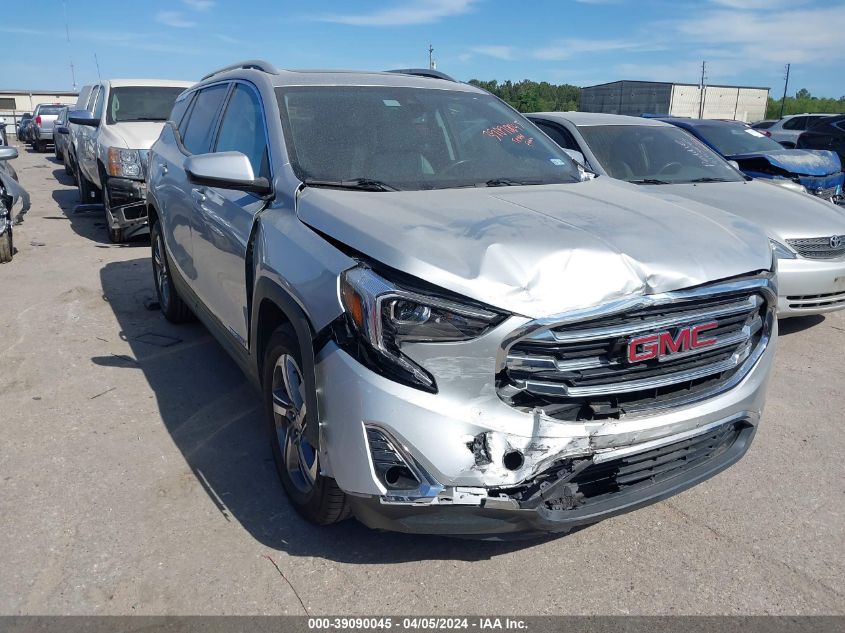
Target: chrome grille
{"points": [[579, 369], [819, 247]]}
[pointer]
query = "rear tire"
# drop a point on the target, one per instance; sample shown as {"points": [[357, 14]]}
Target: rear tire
{"points": [[171, 304], [316, 497], [38, 145], [7, 248]]}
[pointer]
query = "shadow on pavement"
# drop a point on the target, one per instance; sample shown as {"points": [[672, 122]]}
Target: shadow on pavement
{"points": [[89, 224], [798, 324], [213, 415]]}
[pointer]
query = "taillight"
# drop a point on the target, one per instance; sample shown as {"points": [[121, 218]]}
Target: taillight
{"points": [[38, 120], [766, 133]]}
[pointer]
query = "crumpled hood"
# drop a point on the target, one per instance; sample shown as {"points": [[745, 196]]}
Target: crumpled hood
{"points": [[541, 250], [782, 213], [806, 162], [137, 134]]}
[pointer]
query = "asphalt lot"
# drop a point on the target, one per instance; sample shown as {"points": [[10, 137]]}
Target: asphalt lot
{"points": [[135, 477]]}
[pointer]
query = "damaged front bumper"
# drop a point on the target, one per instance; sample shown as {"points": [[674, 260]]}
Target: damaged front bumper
{"points": [[127, 205], [453, 450]]}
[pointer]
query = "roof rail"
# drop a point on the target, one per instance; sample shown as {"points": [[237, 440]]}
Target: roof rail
{"points": [[255, 64], [424, 72]]}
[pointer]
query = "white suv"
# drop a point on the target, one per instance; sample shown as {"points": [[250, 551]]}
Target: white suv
{"points": [[787, 130], [112, 139]]}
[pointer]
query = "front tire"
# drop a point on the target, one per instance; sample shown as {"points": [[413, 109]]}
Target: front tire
{"points": [[316, 497], [88, 193], [171, 304], [116, 236], [7, 248]]}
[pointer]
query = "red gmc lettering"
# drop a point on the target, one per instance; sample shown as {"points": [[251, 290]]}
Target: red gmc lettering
{"points": [[658, 345], [650, 348], [698, 329]]}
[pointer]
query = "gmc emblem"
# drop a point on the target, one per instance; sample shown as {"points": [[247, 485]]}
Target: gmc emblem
{"points": [[662, 344]]}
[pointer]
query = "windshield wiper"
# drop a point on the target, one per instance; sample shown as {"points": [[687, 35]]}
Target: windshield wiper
{"points": [[708, 179], [649, 181], [362, 184], [507, 182]]}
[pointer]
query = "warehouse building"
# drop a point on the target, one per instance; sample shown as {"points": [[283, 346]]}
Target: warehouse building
{"points": [[13, 103], [635, 98]]}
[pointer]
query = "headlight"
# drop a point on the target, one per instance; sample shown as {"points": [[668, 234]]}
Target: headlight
{"points": [[385, 316], [781, 250], [125, 163]]}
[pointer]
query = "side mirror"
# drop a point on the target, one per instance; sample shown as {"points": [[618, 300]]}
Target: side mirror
{"points": [[8, 153], [226, 170], [62, 130], [734, 164], [577, 156], [83, 117]]}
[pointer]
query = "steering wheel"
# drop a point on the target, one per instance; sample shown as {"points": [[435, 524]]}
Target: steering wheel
{"points": [[670, 168]]}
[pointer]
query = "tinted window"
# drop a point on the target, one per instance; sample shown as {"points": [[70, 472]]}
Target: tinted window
{"points": [[557, 134], [729, 139], [92, 98], [413, 138], [98, 103], [141, 103], [668, 154], [179, 109], [200, 125], [763, 125], [242, 129], [795, 123]]}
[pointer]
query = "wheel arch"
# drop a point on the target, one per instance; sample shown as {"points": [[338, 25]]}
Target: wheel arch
{"points": [[274, 306]]}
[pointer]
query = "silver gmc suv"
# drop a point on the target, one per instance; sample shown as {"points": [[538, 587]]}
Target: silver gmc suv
{"points": [[454, 331]]}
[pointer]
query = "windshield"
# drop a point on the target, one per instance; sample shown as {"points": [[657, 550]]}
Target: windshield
{"points": [[141, 103], [639, 153], [415, 138], [731, 139]]}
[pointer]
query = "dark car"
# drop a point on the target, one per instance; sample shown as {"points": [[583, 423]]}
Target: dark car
{"points": [[819, 172], [23, 132], [827, 134]]}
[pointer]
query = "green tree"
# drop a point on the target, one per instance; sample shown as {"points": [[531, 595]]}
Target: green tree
{"points": [[531, 96], [802, 102]]}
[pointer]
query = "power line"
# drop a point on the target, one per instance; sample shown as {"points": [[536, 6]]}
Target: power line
{"points": [[69, 49]]}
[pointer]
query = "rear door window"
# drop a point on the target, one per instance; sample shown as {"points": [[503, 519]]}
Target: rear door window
{"points": [[796, 123], [558, 134], [199, 130]]}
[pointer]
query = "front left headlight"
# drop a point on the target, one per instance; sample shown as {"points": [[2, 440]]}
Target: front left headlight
{"points": [[790, 184], [125, 163], [782, 251], [385, 316]]}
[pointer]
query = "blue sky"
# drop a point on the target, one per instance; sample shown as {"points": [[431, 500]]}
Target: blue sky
{"points": [[574, 41]]}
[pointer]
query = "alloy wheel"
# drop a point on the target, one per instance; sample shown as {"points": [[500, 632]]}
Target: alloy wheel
{"points": [[289, 415]]}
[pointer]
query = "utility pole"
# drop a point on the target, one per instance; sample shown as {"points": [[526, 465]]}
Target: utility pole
{"points": [[701, 90], [785, 85], [431, 63], [70, 56]]}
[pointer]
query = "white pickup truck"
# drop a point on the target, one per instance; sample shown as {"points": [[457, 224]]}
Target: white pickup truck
{"points": [[112, 137]]}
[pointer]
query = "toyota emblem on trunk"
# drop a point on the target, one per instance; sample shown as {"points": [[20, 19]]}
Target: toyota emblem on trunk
{"points": [[836, 241]]}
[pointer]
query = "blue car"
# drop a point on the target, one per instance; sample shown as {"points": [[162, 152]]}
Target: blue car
{"points": [[817, 171]]}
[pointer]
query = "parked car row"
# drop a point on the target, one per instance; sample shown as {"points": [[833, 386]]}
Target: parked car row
{"points": [[462, 320]]}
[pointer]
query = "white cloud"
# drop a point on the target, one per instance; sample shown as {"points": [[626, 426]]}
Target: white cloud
{"points": [[767, 38], [569, 48], [175, 19], [199, 5], [506, 53], [403, 14], [758, 4]]}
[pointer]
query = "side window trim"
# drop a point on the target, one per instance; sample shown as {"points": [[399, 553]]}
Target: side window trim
{"points": [[225, 108]]}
